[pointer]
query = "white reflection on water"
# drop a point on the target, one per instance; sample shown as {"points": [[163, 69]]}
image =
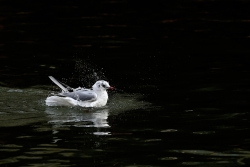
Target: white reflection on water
{"points": [[93, 118], [77, 117]]}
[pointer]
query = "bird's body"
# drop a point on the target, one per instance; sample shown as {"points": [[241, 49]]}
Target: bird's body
{"points": [[95, 97]]}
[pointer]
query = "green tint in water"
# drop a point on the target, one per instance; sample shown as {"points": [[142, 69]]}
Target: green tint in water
{"points": [[21, 107], [34, 134], [128, 131]]}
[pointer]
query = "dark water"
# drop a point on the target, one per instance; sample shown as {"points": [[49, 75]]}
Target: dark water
{"points": [[180, 68]]}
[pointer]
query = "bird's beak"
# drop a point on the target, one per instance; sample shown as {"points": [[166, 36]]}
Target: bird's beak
{"points": [[110, 88]]}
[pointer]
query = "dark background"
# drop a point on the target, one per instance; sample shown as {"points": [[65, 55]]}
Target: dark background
{"points": [[189, 58], [156, 44]]}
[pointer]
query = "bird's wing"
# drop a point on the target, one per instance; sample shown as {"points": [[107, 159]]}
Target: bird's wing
{"points": [[83, 95]]}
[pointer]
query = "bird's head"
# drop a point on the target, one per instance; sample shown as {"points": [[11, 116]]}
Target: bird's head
{"points": [[101, 85]]}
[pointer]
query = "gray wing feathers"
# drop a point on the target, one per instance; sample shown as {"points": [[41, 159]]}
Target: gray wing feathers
{"points": [[83, 95]]}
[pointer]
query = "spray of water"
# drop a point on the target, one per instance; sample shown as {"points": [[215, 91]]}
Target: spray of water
{"points": [[85, 74]]}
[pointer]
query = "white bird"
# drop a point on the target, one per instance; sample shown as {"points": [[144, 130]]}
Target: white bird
{"points": [[95, 97]]}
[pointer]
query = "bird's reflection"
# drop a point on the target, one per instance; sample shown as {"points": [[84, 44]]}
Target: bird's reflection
{"points": [[75, 117]]}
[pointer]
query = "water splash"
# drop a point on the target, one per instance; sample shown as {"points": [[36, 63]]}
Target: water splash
{"points": [[86, 74]]}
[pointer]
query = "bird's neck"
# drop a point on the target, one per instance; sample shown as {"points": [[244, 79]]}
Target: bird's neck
{"points": [[101, 93]]}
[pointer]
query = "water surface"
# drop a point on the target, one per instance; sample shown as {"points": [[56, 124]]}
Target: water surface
{"points": [[129, 131]]}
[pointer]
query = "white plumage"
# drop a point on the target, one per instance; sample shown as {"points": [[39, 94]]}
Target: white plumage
{"points": [[95, 97]]}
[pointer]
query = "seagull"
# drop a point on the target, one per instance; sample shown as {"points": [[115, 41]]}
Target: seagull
{"points": [[95, 97]]}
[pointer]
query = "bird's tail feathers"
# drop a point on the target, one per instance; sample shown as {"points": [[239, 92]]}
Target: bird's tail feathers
{"points": [[58, 83]]}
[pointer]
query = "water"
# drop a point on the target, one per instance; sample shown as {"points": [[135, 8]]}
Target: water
{"points": [[129, 131], [180, 68]]}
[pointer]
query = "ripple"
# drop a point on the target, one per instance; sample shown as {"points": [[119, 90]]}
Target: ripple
{"points": [[204, 132], [168, 158], [169, 130], [15, 90]]}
